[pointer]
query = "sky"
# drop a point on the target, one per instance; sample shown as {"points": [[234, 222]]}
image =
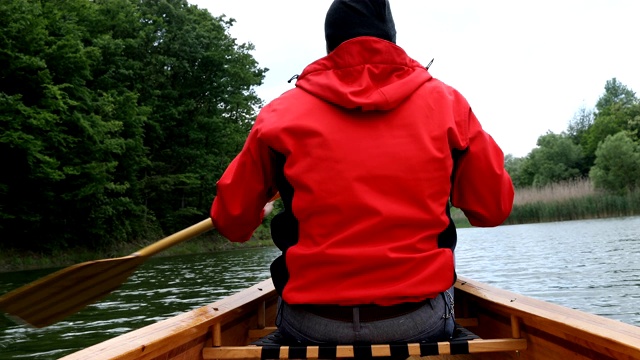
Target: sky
{"points": [[526, 67]]}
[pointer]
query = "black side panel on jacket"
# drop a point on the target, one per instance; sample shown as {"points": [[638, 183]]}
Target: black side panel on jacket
{"points": [[284, 226]]}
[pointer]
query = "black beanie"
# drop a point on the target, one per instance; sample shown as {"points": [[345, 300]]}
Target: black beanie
{"points": [[347, 19]]}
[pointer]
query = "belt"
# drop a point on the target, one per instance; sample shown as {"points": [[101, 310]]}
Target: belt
{"points": [[367, 313]]}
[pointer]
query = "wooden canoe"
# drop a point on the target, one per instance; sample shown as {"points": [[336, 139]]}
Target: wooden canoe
{"points": [[532, 329]]}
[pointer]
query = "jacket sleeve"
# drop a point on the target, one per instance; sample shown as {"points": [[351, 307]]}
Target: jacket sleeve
{"points": [[482, 188], [243, 190]]}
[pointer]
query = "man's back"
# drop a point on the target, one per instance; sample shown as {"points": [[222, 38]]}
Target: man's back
{"points": [[367, 152]]}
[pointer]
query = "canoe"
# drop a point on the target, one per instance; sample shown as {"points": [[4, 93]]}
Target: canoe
{"points": [[506, 326]]}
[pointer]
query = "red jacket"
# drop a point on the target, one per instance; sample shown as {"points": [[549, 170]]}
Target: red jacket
{"points": [[366, 152]]}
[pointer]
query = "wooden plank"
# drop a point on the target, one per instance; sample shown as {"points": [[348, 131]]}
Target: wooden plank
{"points": [[467, 322], [608, 337], [256, 334], [377, 350], [497, 345]]}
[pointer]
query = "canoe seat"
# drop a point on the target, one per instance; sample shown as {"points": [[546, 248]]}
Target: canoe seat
{"points": [[274, 346]]}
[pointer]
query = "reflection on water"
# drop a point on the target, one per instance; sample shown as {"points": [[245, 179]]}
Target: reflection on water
{"points": [[160, 288], [590, 265]]}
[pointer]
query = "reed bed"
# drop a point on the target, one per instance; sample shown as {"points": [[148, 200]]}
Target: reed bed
{"points": [[554, 192], [572, 200]]}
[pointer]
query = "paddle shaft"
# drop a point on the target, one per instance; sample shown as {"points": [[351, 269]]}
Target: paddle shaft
{"points": [[171, 240]]}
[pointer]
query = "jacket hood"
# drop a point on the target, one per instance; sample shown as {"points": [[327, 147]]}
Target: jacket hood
{"points": [[366, 73]]}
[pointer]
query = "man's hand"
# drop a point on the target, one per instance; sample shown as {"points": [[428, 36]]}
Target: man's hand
{"points": [[268, 208]]}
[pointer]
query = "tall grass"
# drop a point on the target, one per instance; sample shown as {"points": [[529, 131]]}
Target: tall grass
{"points": [[572, 200], [554, 192]]}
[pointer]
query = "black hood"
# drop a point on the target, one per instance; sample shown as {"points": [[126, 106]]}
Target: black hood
{"points": [[347, 19]]}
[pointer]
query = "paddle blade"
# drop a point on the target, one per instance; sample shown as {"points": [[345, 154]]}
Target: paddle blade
{"points": [[65, 292]]}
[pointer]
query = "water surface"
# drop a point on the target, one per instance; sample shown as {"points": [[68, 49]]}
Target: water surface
{"points": [[589, 265], [160, 288]]}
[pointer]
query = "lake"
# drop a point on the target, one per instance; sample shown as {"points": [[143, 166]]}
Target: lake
{"points": [[589, 265]]}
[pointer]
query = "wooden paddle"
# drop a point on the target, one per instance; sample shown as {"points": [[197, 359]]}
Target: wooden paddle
{"points": [[56, 296], [67, 291]]}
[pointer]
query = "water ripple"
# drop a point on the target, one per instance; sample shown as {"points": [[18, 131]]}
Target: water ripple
{"points": [[161, 288], [589, 265]]}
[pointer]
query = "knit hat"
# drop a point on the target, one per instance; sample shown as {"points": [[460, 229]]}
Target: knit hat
{"points": [[347, 19]]}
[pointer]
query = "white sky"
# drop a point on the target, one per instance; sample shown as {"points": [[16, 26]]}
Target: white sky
{"points": [[525, 67]]}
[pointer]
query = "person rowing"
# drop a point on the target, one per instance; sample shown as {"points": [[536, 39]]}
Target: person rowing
{"points": [[368, 152]]}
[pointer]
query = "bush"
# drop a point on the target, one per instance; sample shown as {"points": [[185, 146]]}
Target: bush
{"points": [[617, 165]]}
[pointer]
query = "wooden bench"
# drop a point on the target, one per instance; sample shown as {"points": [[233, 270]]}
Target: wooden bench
{"points": [[269, 345]]}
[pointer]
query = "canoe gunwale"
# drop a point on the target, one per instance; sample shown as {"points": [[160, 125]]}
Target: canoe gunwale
{"points": [[540, 323], [593, 332]]}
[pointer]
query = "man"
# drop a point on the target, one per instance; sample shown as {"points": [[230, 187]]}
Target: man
{"points": [[366, 152]]}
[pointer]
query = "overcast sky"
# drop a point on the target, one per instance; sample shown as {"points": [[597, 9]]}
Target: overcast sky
{"points": [[526, 67]]}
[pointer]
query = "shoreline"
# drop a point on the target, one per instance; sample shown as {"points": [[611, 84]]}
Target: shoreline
{"points": [[12, 260], [582, 207]]}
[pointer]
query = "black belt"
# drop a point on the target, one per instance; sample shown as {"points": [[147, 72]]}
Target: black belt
{"points": [[367, 313]]}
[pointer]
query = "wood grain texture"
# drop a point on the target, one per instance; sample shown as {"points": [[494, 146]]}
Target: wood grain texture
{"points": [[550, 331]]}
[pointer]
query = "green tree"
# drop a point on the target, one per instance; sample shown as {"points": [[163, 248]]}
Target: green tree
{"points": [[634, 121], [199, 89], [115, 116], [66, 140], [516, 168], [557, 158], [617, 164], [578, 131], [580, 124], [616, 110], [615, 94]]}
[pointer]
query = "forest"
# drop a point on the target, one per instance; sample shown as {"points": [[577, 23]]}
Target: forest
{"points": [[118, 116]]}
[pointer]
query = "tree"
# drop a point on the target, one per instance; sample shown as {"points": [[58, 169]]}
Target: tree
{"points": [[199, 89], [615, 111], [555, 159], [516, 169], [580, 124], [66, 140], [633, 115], [615, 94], [617, 164], [577, 131], [115, 116]]}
